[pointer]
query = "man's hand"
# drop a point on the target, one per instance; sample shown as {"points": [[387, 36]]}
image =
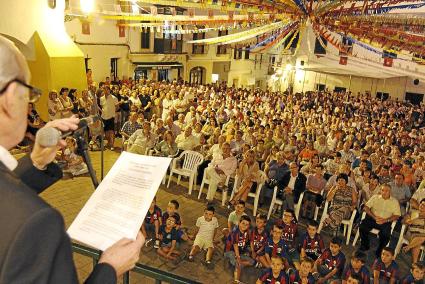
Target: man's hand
{"points": [[380, 220], [42, 156], [219, 171], [287, 190], [124, 254]]}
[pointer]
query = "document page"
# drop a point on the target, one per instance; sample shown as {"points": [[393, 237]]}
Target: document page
{"points": [[119, 205]]}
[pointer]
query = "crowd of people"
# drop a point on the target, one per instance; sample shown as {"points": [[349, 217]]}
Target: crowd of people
{"points": [[353, 151]]}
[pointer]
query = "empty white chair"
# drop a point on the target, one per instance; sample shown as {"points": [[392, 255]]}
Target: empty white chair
{"points": [[347, 223], [298, 207], [191, 161], [205, 180], [279, 202], [373, 231]]}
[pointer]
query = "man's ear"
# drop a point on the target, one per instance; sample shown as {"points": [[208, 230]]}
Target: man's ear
{"points": [[8, 100]]}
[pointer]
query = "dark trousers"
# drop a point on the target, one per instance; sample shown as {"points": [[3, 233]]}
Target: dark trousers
{"points": [[384, 233], [201, 170]]}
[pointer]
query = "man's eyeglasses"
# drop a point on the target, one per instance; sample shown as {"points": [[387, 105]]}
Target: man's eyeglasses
{"points": [[34, 93]]}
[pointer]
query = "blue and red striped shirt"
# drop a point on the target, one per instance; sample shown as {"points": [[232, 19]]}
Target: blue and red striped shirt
{"points": [[267, 277]]}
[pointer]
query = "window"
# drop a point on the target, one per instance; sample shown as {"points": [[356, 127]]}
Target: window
{"points": [[246, 52], [237, 53], [221, 48], [114, 68], [146, 37], [198, 48]]}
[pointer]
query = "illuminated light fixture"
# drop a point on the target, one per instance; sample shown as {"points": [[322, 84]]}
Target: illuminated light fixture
{"points": [[288, 67], [87, 6]]}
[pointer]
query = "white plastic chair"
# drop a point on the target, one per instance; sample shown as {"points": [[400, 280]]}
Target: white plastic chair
{"points": [[205, 180], [256, 194], [189, 168], [316, 211], [279, 202], [402, 240], [373, 231], [347, 223]]}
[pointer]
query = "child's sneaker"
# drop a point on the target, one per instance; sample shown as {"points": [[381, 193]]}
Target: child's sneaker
{"points": [[147, 242], [190, 258], [156, 245]]}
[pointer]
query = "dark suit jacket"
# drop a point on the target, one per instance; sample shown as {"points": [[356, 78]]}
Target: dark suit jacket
{"points": [[34, 246], [299, 185]]}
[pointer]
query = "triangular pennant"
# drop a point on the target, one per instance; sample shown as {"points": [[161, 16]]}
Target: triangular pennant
{"points": [[343, 60], [85, 28]]}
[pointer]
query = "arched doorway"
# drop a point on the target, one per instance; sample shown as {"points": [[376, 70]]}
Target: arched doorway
{"points": [[197, 75]]}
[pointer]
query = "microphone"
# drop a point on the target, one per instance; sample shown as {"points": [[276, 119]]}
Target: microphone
{"points": [[50, 136]]}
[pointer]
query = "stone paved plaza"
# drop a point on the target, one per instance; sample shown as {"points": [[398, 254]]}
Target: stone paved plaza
{"points": [[69, 196]]}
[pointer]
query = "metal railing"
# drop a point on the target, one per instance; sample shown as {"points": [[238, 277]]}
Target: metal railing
{"points": [[157, 274]]}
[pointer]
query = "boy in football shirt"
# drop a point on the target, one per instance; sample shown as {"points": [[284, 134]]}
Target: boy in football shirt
{"points": [[275, 274], [206, 231], [237, 247], [234, 217], [311, 243], [357, 267], [385, 269], [276, 247], [303, 275], [416, 275], [289, 235], [172, 208], [152, 222], [168, 236], [354, 279], [259, 238], [330, 264]]}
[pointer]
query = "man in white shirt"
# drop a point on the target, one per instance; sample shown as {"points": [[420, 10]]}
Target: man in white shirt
{"points": [[381, 210], [219, 169], [186, 141], [206, 232], [108, 103]]}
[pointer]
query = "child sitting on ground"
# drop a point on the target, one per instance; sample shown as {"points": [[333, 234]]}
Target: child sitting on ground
{"points": [[416, 275], [311, 243], [275, 274], [172, 208], [74, 163], [152, 223], [385, 269], [330, 264], [357, 267], [206, 227], [237, 247], [354, 279], [276, 247], [289, 235], [234, 217], [303, 275], [168, 237], [259, 238]]}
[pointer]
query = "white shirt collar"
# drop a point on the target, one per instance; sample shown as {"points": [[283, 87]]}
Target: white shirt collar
{"points": [[7, 159]]}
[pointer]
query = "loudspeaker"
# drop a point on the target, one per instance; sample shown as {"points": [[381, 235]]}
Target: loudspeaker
{"points": [[302, 62], [416, 82]]}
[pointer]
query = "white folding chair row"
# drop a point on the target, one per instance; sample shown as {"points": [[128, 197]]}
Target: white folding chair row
{"points": [[255, 195], [279, 202], [373, 231], [205, 180], [189, 168], [347, 223], [402, 240]]}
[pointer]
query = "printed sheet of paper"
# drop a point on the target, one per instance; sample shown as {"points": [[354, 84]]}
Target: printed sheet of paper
{"points": [[119, 205]]}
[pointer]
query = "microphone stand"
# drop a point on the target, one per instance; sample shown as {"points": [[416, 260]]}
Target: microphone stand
{"points": [[82, 150]]}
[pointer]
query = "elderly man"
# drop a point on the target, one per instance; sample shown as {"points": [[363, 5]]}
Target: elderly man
{"points": [[400, 191], [129, 128], [292, 185], [219, 169], [34, 247], [142, 140], [186, 141], [381, 209]]}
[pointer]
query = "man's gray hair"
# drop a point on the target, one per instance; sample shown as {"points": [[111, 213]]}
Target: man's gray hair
{"points": [[13, 64]]}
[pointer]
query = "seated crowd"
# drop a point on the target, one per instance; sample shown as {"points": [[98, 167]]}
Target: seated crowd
{"points": [[350, 152]]}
